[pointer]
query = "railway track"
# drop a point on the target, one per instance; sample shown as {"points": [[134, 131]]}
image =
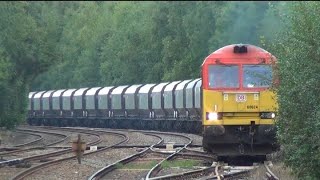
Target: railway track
{"points": [[154, 153], [143, 156], [102, 172], [32, 170], [20, 150], [45, 155], [30, 142]]}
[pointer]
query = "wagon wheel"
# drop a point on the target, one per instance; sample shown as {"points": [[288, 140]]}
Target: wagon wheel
{"points": [[150, 125], [177, 126], [98, 122], [168, 125], [45, 122], [73, 122], [106, 123], [113, 124], [136, 123], [190, 127], [142, 124], [156, 125]]}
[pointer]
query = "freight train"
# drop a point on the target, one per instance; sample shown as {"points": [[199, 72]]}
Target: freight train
{"points": [[164, 106], [232, 105]]}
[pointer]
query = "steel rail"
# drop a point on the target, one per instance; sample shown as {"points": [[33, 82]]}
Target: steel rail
{"points": [[102, 172], [47, 155], [270, 175], [157, 167], [31, 142], [51, 133], [31, 170]]}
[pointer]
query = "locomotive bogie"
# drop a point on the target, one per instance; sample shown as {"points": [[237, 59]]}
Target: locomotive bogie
{"points": [[237, 140]]}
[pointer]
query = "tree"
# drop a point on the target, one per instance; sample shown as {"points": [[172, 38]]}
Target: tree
{"points": [[27, 48], [299, 108]]}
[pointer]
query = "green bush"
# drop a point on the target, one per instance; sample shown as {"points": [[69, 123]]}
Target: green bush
{"points": [[299, 93]]}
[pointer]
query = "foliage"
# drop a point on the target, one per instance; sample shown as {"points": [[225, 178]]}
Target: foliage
{"points": [[27, 48], [117, 43], [299, 62]]}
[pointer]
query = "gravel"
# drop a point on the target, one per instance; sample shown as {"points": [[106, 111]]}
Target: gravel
{"points": [[138, 169], [28, 153], [137, 138], [12, 138], [7, 172], [173, 139], [91, 163], [72, 170]]}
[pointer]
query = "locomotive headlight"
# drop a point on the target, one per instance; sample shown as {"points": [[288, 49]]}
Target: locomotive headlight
{"points": [[267, 115], [212, 116]]}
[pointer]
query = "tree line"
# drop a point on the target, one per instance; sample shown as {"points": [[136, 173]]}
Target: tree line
{"points": [[58, 45]]}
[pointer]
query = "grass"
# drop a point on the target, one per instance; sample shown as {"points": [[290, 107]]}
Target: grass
{"points": [[145, 165], [182, 163]]}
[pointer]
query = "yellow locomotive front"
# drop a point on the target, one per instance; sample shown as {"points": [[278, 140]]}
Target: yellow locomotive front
{"points": [[238, 103]]}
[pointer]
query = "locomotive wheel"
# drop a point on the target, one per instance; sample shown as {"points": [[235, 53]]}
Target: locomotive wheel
{"points": [[205, 145]]}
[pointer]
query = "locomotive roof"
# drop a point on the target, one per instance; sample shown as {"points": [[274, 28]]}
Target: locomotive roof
{"points": [[228, 52]]}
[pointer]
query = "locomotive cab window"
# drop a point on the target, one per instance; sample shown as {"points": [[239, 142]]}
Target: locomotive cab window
{"points": [[222, 76], [256, 76]]}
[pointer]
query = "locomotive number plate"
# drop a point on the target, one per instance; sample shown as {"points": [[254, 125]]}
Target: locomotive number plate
{"points": [[241, 98]]}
